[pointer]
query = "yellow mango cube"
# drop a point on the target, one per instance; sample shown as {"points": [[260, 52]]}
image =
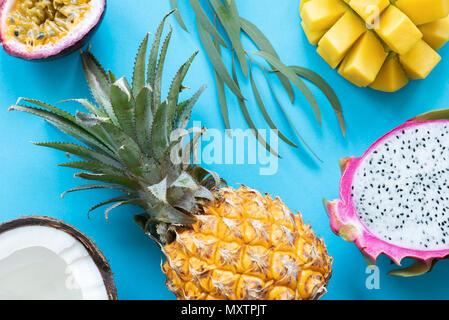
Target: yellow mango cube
{"points": [[302, 3], [339, 39], [424, 11], [322, 14], [312, 36], [436, 33], [397, 30], [369, 10], [391, 76], [420, 60], [364, 61]]}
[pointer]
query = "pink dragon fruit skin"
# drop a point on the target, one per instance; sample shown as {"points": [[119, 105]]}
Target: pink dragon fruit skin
{"points": [[346, 222]]}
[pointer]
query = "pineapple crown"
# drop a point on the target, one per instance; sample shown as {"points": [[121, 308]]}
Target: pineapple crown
{"points": [[130, 137]]}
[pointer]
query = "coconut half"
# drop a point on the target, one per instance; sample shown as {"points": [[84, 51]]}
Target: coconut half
{"points": [[43, 258], [42, 29]]}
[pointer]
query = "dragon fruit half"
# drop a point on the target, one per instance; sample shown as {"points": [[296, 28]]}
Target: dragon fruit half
{"points": [[395, 198]]}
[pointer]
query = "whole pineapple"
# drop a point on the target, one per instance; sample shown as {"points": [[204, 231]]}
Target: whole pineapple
{"points": [[220, 243]]}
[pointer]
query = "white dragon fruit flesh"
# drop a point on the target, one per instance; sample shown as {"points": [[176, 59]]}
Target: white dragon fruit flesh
{"points": [[395, 198]]}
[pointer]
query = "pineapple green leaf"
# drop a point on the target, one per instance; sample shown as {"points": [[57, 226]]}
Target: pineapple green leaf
{"points": [[64, 125], [205, 22], [92, 186], [175, 88], [81, 152], [112, 77], [139, 76], [103, 203], [157, 86], [165, 212], [189, 153], [50, 108], [136, 202], [264, 111], [123, 106], [89, 106], [159, 190], [126, 181], [184, 111], [229, 18], [203, 193], [152, 63], [159, 131], [249, 120], [326, 89], [276, 63], [217, 62], [174, 5], [185, 181], [98, 82], [131, 157], [262, 42], [92, 166], [144, 119]]}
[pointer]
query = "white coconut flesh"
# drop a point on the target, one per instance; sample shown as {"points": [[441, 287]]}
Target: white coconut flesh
{"points": [[39, 262], [35, 38], [401, 188]]}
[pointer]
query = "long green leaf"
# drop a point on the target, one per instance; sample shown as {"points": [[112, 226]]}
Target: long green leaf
{"points": [[123, 105], [92, 166], [144, 119], [157, 87], [275, 62], [139, 67], [248, 119], [152, 63], [98, 82], [229, 18], [262, 42], [174, 5], [93, 186], [273, 93], [264, 111], [217, 62], [205, 22], [81, 152], [326, 89], [222, 94]]}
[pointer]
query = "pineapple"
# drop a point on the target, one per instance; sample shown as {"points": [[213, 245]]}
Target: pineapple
{"points": [[378, 43], [219, 242]]}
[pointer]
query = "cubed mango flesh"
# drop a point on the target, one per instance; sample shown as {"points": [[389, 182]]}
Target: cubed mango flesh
{"points": [[364, 61], [302, 3], [391, 76], [424, 11], [369, 10], [436, 33], [420, 60], [312, 36], [322, 14], [397, 30], [334, 45]]}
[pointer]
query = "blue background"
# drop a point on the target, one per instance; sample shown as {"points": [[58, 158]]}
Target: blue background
{"points": [[32, 184]]}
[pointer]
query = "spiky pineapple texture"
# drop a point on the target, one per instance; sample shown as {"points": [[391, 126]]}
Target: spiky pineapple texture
{"points": [[246, 246], [130, 136], [219, 243]]}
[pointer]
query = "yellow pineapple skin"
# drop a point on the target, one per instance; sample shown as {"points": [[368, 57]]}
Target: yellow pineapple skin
{"points": [[247, 246]]}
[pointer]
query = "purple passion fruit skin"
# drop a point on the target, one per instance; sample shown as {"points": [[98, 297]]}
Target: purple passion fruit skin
{"points": [[53, 44]]}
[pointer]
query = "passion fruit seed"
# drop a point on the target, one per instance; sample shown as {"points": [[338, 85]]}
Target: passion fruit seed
{"points": [[44, 21]]}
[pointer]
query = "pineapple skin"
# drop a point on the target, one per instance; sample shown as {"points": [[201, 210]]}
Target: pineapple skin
{"points": [[246, 246]]}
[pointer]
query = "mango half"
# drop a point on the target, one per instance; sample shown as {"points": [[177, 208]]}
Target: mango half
{"points": [[378, 43]]}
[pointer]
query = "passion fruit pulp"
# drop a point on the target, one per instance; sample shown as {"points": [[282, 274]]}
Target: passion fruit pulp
{"points": [[43, 29]]}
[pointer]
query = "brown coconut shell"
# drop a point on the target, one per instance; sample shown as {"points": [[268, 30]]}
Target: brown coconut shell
{"points": [[95, 253]]}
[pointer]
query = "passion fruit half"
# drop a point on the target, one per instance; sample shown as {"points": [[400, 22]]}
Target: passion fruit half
{"points": [[44, 29]]}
